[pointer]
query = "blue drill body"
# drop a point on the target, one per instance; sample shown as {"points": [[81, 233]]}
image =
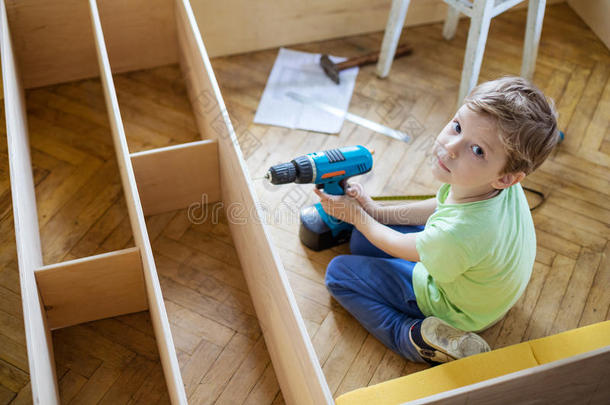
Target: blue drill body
{"points": [[329, 170], [334, 166], [331, 174]]}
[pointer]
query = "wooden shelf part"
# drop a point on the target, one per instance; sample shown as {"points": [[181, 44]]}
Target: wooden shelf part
{"points": [[158, 315], [92, 288], [175, 177], [27, 234], [294, 359]]}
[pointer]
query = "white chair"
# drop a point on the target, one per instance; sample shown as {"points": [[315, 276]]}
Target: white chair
{"points": [[480, 12]]}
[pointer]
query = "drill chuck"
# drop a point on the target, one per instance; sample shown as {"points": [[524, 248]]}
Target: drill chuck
{"points": [[282, 174], [299, 170]]}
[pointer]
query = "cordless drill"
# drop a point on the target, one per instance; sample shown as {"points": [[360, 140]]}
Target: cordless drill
{"points": [[329, 170]]}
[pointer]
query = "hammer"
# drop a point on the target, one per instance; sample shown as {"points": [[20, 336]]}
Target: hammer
{"points": [[332, 69]]}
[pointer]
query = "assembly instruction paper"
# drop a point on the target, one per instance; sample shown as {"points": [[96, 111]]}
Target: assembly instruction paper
{"points": [[301, 73]]}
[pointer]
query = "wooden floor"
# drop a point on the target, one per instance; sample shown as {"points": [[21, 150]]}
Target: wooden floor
{"points": [[220, 347], [82, 212]]}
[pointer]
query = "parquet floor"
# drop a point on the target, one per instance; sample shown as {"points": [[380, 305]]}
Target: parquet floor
{"points": [[82, 212], [569, 286], [220, 347]]}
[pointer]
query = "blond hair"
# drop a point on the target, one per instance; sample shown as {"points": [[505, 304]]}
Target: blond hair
{"points": [[526, 119]]}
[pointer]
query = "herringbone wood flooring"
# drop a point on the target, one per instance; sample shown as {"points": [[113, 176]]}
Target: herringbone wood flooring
{"points": [[219, 343]]}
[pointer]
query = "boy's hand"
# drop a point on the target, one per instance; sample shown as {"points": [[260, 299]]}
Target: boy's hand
{"points": [[355, 190], [343, 207]]}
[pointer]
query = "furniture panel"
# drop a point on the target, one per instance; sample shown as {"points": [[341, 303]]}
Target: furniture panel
{"points": [[92, 288], [563, 368], [27, 236], [174, 177], [294, 360], [53, 38], [158, 315], [575, 379]]}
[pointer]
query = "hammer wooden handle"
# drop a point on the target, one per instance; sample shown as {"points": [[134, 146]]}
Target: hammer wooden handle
{"points": [[371, 58]]}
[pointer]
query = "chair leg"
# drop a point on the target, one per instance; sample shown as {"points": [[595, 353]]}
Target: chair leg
{"points": [[451, 23], [535, 15], [477, 36], [396, 20]]}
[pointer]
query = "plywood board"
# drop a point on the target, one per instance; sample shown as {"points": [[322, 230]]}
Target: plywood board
{"points": [[595, 14], [158, 315], [92, 288], [177, 177], [581, 379], [27, 232], [54, 42], [294, 360], [237, 26]]}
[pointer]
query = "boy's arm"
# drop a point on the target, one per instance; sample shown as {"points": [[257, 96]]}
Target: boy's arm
{"points": [[392, 242], [416, 213]]}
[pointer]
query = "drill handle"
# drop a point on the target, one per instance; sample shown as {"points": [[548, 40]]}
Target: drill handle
{"points": [[335, 187]]}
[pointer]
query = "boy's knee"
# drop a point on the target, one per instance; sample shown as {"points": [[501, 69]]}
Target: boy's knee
{"points": [[337, 271]]}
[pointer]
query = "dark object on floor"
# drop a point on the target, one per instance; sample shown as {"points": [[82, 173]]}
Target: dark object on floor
{"points": [[332, 69]]}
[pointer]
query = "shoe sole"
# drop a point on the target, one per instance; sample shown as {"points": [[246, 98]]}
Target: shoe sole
{"points": [[434, 331]]}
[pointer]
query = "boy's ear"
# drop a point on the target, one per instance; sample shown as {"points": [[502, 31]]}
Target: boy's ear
{"points": [[507, 180]]}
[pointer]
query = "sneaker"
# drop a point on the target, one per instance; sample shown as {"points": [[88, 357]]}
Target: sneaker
{"points": [[438, 342]]}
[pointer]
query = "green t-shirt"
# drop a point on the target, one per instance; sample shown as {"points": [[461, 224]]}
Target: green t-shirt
{"points": [[475, 258]]}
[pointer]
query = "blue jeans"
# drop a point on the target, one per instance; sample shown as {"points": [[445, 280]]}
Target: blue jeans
{"points": [[377, 289]]}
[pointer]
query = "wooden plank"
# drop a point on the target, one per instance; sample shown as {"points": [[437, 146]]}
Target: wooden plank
{"points": [[24, 396], [158, 314], [265, 389], [92, 288], [593, 13], [70, 384], [6, 395], [390, 366], [130, 380], [198, 365], [222, 370], [99, 190], [364, 365], [590, 99], [517, 319], [301, 382], [246, 376], [344, 354], [577, 379], [149, 39], [97, 385], [27, 233], [206, 285], [11, 377], [177, 177], [550, 297], [230, 317], [598, 126], [53, 39], [573, 302], [13, 352], [294, 22], [598, 299]]}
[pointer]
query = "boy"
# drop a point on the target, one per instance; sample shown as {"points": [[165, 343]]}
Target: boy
{"points": [[422, 291]]}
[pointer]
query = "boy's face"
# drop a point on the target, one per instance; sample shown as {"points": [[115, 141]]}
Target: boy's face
{"points": [[468, 151]]}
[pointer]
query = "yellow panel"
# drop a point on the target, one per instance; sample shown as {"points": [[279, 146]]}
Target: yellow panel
{"points": [[571, 343], [445, 377]]}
